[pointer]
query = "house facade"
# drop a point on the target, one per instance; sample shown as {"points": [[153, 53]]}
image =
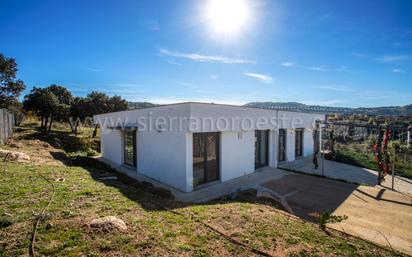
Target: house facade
{"points": [[190, 145]]}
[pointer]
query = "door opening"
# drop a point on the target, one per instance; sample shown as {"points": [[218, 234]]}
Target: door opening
{"points": [[261, 148], [282, 145], [129, 145], [205, 158]]}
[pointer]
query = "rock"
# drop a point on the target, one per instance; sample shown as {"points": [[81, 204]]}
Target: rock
{"points": [[14, 156], [108, 223]]}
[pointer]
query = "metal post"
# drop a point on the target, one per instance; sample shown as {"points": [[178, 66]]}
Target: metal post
{"points": [[393, 175], [321, 148], [408, 138]]}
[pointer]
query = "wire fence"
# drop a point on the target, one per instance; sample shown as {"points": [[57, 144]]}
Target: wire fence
{"points": [[385, 149], [6, 125]]}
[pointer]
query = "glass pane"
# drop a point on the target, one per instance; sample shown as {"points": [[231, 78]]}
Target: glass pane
{"points": [[129, 147], [198, 159], [299, 142], [205, 158], [282, 145], [212, 169], [261, 148]]}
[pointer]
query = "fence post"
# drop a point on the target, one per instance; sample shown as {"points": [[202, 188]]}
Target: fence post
{"points": [[393, 170]]}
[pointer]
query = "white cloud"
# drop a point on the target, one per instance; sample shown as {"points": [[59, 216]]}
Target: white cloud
{"points": [[317, 68], [174, 62], [205, 58], [286, 64], [393, 58], [261, 77], [335, 88], [397, 70]]}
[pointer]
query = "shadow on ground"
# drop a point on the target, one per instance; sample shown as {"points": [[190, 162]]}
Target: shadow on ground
{"points": [[64, 140]]}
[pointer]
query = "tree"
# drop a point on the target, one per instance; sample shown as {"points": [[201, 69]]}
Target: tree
{"points": [[94, 103], [78, 113], [42, 103], [10, 87], [116, 103], [63, 94], [50, 104], [65, 99]]}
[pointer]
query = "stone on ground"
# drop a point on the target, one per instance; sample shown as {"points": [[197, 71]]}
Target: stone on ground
{"points": [[108, 223], [14, 156]]}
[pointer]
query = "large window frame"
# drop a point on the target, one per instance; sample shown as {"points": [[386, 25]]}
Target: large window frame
{"points": [[130, 141], [282, 145], [261, 148], [299, 142], [206, 160]]}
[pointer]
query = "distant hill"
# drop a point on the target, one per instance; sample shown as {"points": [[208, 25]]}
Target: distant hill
{"points": [[299, 107], [140, 105]]}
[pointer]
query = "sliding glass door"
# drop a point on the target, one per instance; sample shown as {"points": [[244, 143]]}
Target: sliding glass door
{"points": [[205, 158], [298, 142], [282, 145], [129, 145], [261, 148]]}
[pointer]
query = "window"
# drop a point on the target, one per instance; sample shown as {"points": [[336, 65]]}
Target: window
{"points": [[298, 142], [205, 158], [282, 145], [129, 141], [261, 148]]}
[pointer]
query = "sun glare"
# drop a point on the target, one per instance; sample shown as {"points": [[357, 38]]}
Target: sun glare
{"points": [[227, 16]]}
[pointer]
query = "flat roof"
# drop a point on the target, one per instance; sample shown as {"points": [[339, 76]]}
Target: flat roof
{"points": [[214, 104]]}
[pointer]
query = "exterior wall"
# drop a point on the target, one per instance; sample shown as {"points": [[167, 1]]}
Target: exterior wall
{"points": [[237, 154], [308, 142], [290, 145], [162, 156], [165, 153], [112, 146]]}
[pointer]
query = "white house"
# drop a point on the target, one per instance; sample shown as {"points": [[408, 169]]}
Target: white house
{"points": [[190, 145]]}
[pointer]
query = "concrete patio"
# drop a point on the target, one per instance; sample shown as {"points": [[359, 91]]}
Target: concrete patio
{"points": [[350, 173], [376, 214]]}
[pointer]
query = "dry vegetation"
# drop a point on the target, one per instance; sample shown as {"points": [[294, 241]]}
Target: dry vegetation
{"points": [[82, 195]]}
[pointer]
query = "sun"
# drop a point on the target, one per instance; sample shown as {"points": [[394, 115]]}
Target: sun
{"points": [[227, 16]]}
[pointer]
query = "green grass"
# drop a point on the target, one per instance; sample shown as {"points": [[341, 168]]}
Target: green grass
{"points": [[81, 197], [152, 231]]}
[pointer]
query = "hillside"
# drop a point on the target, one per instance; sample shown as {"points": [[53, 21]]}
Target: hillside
{"points": [[293, 106], [156, 224]]}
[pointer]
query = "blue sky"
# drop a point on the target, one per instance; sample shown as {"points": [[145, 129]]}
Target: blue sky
{"points": [[338, 53]]}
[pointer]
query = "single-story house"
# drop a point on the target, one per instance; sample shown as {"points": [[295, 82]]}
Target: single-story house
{"points": [[190, 145]]}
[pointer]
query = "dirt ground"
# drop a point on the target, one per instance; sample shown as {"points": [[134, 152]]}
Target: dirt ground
{"points": [[378, 215]]}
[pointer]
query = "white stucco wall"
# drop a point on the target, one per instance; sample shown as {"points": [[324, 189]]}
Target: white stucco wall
{"points": [[162, 156], [111, 146], [237, 154], [167, 155]]}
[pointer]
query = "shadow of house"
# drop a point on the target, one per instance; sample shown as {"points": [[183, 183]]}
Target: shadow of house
{"points": [[64, 140], [149, 197]]}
